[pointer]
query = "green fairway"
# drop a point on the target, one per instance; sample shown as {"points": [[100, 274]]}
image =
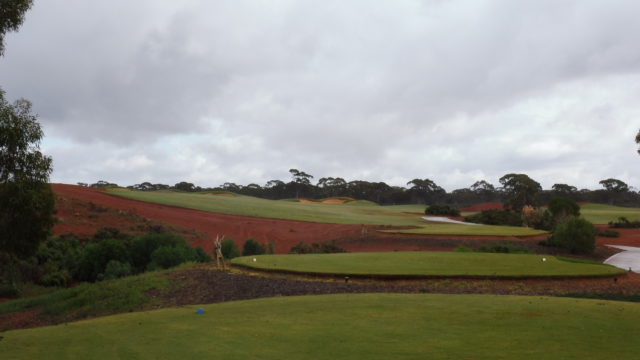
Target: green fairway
{"points": [[365, 326], [425, 264], [484, 230], [602, 214], [357, 212]]}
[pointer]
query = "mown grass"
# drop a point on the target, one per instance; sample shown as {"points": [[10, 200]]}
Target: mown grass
{"points": [[602, 214], [427, 264], [484, 230], [356, 212], [364, 326], [88, 300]]}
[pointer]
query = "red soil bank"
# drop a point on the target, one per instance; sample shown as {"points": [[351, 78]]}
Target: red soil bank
{"points": [[285, 233], [628, 237], [483, 206]]}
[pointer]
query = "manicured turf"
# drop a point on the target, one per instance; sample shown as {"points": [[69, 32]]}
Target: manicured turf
{"points": [[602, 214], [484, 230], [357, 212], [365, 326], [425, 264]]}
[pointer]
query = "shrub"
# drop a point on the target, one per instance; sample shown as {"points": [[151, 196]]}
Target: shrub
{"points": [[496, 217], [142, 247], [462, 249], [166, 257], [94, 258], [116, 269], [538, 219], [316, 248], [624, 223], [609, 233], [229, 249], [444, 210], [60, 278], [576, 235], [561, 208], [504, 248], [252, 247], [59, 253]]}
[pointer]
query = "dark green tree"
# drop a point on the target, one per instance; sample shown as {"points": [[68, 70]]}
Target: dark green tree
{"points": [[11, 17], [301, 181], [425, 189], [638, 140], [521, 190], [26, 199], [614, 185]]}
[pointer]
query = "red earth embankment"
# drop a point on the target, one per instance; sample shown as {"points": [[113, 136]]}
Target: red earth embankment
{"points": [[483, 206]]}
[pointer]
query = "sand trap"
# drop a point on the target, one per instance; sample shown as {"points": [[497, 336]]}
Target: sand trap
{"points": [[446, 220], [629, 259]]}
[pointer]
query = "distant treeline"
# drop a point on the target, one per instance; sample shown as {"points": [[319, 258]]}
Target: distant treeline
{"points": [[417, 191]]}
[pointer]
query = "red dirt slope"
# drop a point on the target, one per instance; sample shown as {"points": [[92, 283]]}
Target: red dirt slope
{"points": [[285, 233], [483, 206]]}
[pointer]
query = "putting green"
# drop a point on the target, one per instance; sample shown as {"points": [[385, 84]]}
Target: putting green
{"points": [[426, 264], [365, 326]]}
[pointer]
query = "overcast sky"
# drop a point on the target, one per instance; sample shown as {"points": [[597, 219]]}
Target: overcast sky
{"points": [[242, 91]]}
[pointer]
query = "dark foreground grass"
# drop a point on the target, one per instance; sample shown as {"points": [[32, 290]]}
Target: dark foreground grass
{"points": [[428, 264], [369, 326], [88, 300]]}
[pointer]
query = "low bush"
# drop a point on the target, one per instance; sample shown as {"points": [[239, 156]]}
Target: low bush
{"points": [[504, 248], [95, 257], [576, 235], [229, 249], [252, 247], [496, 217], [60, 278], [462, 249], [317, 248], [116, 269], [608, 233], [444, 210], [624, 223]]}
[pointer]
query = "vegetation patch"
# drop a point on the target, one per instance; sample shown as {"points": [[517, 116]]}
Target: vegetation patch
{"points": [[426, 264], [346, 326]]}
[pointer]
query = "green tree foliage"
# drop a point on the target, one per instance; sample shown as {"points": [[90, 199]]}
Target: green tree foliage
{"points": [[564, 189], [444, 210], [229, 249], [496, 217], [11, 17], [614, 185], [576, 235], [425, 189], [561, 208], [521, 190], [26, 200], [252, 247]]}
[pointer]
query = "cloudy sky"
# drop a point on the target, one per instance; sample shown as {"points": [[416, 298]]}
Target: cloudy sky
{"points": [[242, 91]]}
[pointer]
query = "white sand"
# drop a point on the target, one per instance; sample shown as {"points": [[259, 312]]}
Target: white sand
{"points": [[628, 259], [446, 220]]}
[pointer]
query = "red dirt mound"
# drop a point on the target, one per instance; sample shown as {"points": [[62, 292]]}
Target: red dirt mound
{"points": [[628, 237], [483, 206]]}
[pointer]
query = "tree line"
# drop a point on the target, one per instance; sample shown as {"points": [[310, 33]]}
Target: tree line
{"points": [[416, 191]]}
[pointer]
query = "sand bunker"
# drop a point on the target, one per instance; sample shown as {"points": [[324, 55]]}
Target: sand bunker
{"points": [[447, 220]]}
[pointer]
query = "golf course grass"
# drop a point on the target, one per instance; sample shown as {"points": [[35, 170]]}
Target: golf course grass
{"points": [[354, 213], [426, 264], [363, 326], [602, 214]]}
